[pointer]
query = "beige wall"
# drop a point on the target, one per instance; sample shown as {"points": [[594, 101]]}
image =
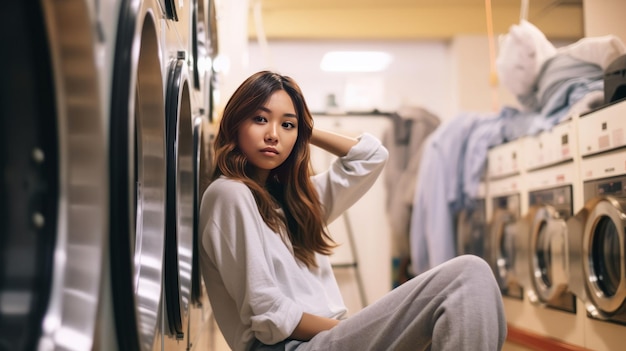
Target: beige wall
{"points": [[471, 76], [602, 17]]}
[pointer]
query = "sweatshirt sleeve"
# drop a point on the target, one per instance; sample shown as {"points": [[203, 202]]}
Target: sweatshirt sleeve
{"points": [[233, 235], [351, 176]]}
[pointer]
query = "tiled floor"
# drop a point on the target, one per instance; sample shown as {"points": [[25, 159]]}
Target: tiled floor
{"points": [[211, 339]]}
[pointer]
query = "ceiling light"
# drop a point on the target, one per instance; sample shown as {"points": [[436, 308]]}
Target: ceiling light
{"points": [[355, 61]]}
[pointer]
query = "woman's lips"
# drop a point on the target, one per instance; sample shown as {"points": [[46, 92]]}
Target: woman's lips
{"points": [[269, 151]]}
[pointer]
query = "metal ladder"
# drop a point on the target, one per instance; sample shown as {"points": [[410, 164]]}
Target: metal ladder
{"points": [[354, 264]]}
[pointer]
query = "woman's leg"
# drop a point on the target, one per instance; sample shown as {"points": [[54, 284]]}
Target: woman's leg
{"points": [[454, 306]]}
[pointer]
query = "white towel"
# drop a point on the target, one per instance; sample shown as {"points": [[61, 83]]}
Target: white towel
{"points": [[597, 50], [521, 55]]}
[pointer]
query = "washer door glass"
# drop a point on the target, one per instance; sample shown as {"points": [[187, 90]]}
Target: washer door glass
{"points": [[603, 259], [502, 246], [137, 182], [29, 169], [472, 230], [543, 254], [506, 260], [605, 256]]}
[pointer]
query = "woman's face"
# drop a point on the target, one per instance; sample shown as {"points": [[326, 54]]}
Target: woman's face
{"points": [[268, 136]]}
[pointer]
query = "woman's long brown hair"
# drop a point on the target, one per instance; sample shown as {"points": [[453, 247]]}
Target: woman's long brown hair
{"points": [[303, 219]]}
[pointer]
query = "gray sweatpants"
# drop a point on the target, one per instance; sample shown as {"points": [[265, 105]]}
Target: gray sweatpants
{"points": [[454, 306]]}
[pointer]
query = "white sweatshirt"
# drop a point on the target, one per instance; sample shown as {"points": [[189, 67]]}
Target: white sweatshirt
{"points": [[256, 286]]}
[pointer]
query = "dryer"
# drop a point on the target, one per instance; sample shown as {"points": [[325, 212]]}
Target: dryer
{"points": [[54, 203], [554, 193], [597, 239], [505, 205], [153, 52], [98, 173], [471, 225]]}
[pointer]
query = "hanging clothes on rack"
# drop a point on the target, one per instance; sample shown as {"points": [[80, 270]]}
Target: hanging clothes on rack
{"points": [[411, 127], [437, 184]]}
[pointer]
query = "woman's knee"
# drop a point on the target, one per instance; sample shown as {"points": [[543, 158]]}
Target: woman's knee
{"points": [[474, 268]]}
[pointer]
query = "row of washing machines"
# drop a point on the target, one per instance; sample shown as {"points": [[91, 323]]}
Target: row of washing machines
{"points": [[105, 122], [551, 221]]}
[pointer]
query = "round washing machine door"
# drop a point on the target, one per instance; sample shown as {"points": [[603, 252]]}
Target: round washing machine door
{"points": [[196, 277], [138, 179], [29, 171], [604, 257], [180, 198], [202, 167], [472, 230], [501, 248], [53, 179], [548, 263]]}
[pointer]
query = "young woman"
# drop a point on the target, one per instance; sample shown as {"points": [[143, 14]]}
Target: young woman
{"points": [[264, 245]]}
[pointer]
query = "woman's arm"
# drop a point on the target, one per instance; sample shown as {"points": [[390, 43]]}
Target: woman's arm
{"points": [[337, 144], [310, 325]]}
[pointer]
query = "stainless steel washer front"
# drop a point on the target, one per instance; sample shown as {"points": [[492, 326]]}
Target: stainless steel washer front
{"points": [[74, 149], [501, 249], [54, 177], [603, 264], [472, 229], [598, 245], [29, 175], [138, 178], [180, 196], [544, 260], [202, 168]]}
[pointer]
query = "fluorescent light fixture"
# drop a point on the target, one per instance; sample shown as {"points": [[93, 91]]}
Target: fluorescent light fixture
{"points": [[355, 61]]}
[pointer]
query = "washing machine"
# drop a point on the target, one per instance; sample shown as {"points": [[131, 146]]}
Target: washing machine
{"points": [[138, 158], [597, 248], [554, 194], [471, 224], [54, 184], [98, 179], [158, 54], [505, 205]]}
